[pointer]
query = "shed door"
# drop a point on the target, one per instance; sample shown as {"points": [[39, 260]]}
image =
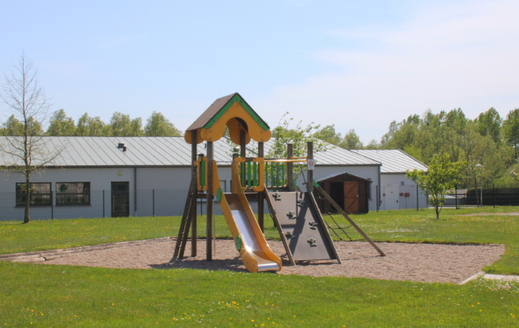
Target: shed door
{"points": [[351, 197]]}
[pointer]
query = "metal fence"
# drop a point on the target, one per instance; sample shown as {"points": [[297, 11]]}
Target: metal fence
{"points": [[493, 196], [154, 202]]}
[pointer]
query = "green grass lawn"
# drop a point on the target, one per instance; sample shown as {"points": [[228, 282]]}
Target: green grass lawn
{"points": [[63, 296]]}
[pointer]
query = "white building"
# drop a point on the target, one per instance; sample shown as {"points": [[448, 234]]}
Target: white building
{"points": [[145, 176], [397, 191]]}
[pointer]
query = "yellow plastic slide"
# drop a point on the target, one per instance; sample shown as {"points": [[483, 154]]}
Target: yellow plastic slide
{"points": [[250, 241]]}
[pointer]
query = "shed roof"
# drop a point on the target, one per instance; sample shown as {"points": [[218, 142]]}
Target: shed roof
{"points": [[393, 160], [334, 175]]}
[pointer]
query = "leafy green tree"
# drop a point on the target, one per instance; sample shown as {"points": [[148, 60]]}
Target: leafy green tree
{"points": [[61, 125], [91, 126], [298, 136], [489, 123], [329, 135], [456, 120], [136, 127], [122, 125], [158, 125], [441, 175], [351, 141], [373, 144], [511, 129], [13, 127], [393, 127], [406, 133]]}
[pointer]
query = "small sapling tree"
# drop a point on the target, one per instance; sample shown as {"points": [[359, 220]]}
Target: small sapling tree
{"points": [[25, 152], [441, 176]]}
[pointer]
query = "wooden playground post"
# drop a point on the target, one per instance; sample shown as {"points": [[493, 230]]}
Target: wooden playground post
{"points": [[261, 197], [290, 168], [209, 200], [195, 195], [310, 172], [243, 153]]}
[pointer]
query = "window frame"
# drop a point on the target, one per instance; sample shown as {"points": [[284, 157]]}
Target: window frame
{"points": [[20, 200], [62, 195]]}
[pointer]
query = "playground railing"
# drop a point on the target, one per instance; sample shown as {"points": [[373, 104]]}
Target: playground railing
{"points": [[277, 171], [252, 173], [201, 167], [256, 173]]}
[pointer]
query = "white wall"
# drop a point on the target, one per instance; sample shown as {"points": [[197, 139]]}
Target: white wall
{"points": [[161, 190], [100, 179], [392, 189]]}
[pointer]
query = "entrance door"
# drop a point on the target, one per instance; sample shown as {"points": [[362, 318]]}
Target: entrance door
{"points": [[120, 199], [351, 196], [390, 195], [337, 194]]}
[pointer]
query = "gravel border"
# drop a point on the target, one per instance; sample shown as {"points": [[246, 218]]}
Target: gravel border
{"points": [[403, 261]]}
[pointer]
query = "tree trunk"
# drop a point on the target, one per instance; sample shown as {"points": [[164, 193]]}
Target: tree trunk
{"points": [[437, 206]]}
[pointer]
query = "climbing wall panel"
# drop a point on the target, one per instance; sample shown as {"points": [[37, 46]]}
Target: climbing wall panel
{"points": [[301, 224]]}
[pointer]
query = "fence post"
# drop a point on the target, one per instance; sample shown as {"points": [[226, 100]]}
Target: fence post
{"points": [[103, 203], [52, 204], [153, 201], [456, 195], [494, 194], [417, 198], [376, 196]]}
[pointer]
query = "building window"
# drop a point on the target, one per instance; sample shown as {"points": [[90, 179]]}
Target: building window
{"points": [[72, 193], [41, 194]]}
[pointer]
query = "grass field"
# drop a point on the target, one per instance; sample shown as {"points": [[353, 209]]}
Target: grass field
{"points": [[63, 296]]}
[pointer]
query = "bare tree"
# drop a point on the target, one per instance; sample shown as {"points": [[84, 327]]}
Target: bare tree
{"points": [[26, 153]]}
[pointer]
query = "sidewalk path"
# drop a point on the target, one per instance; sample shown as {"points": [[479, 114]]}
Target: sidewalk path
{"points": [[489, 276]]}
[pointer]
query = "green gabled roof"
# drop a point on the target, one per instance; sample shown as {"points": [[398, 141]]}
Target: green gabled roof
{"points": [[219, 107]]}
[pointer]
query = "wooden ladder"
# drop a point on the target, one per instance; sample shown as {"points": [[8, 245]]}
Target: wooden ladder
{"points": [[187, 218]]}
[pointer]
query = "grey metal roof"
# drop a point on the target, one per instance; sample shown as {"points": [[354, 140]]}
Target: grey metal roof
{"points": [[393, 160], [335, 155], [160, 151], [140, 151]]}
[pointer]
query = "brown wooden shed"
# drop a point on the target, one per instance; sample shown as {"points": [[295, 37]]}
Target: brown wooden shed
{"points": [[349, 191]]}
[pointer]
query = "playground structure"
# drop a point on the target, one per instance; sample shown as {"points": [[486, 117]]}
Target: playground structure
{"points": [[296, 215]]}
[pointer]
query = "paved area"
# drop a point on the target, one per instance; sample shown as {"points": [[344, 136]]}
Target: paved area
{"points": [[489, 276], [501, 277]]}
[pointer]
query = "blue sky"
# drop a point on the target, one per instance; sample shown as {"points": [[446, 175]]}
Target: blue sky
{"points": [[358, 65]]}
